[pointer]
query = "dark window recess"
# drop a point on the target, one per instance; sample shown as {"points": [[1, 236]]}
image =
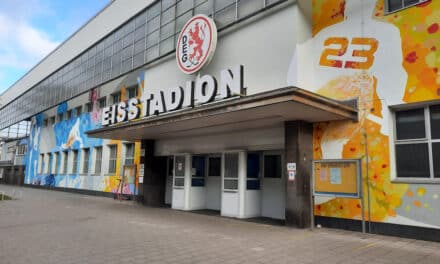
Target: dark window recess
{"points": [[394, 5], [116, 98], [436, 159], [410, 124], [102, 102], [253, 185], [131, 92], [197, 182], [170, 166], [214, 166], [253, 171], [89, 107], [272, 166], [412, 160], [198, 163], [198, 171], [434, 111], [253, 165]]}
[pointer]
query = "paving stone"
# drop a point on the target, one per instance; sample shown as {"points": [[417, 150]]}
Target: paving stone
{"points": [[57, 227]]}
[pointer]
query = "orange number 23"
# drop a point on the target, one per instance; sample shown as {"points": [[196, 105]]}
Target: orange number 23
{"points": [[366, 56]]}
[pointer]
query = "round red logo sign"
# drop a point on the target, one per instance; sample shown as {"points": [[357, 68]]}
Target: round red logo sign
{"points": [[196, 44]]}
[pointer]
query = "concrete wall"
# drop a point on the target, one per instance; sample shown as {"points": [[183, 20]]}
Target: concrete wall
{"points": [[401, 69]]}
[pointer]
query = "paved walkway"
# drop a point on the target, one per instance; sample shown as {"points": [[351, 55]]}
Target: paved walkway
{"points": [[55, 227]]}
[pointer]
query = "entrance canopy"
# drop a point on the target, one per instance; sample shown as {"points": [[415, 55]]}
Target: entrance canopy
{"points": [[266, 109]]}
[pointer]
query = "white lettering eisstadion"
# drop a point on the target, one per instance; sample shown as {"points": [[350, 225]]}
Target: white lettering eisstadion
{"points": [[204, 89]]}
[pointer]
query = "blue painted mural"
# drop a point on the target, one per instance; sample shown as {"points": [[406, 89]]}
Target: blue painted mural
{"points": [[65, 137]]}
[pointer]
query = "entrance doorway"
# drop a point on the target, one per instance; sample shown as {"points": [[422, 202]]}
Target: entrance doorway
{"points": [[213, 182], [273, 186]]}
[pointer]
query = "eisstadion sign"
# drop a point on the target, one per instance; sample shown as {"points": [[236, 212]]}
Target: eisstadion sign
{"points": [[202, 90]]}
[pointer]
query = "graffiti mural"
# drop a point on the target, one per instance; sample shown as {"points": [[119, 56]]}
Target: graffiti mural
{"points": [[69, 135], [382, 59]]}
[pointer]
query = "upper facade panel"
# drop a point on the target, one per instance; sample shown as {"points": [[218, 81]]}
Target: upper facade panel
{"points": [[146, 37]]}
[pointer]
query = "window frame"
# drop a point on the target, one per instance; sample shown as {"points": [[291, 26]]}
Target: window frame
{"points": [[40, 163], [75, 160], [48, 168], [59, 117], [97, 161], [85, 168], [387, 6], [54, 169], [65, 164], [131, 88], [115, 95], [126, 157], [102, 99], [88, 107], [426, 140], [112, 160], [197, 180], [78, 110]]}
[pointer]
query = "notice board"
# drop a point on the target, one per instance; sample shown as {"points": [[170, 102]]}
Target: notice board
{"points": [[337, 178]]}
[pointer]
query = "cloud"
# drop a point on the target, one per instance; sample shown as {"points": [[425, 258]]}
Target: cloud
{"points": [[22, 43]]}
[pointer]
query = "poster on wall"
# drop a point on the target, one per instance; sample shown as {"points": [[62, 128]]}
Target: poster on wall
{"points": [[339, 178]]}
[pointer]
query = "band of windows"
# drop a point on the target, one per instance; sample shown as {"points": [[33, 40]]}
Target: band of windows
{"points": [[417, 143], [78, 161]]}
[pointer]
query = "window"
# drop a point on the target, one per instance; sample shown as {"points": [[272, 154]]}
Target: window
{"points": [[89, 107], [55, 163], [85, 165], [129, 154], [417, 143], [395, 5], [170, 167], [68, 115], [112, 159], [45, 122], [131, 92], [98, 160], [214, 166], [41, 164], [198, 171], [230, 181], [253, 171], [49, 163], [116, 98], [21, 150], [179, 171], [74, 162], [78, 110], [59, 117], [272, 166], [52, 120], [65, 159], [102, 102]]}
